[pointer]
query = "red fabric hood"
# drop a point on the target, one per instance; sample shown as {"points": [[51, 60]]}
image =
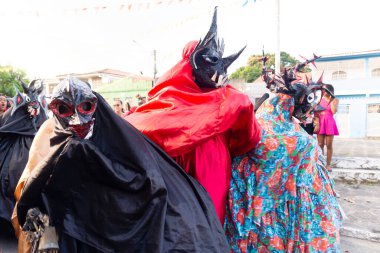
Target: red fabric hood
{"points": [[178, 114]]}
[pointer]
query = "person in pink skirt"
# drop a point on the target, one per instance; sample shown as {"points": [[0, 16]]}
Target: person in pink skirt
{"points": [[327, 128]]}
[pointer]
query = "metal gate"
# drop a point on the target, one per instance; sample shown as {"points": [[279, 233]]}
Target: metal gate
{"points": [[373, 120]]}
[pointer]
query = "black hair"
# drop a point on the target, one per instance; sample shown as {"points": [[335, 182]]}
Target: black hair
{"points": [[330, 88], [128, 105]]}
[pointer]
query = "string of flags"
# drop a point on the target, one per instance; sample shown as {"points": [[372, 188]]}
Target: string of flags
{"points": [[126, 6]]}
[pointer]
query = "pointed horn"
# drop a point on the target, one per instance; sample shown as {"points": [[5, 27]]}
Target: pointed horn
{"points": [[31, 85], [221, 47], [313, 62], [307, 81], [230, 59], [41, 88], [213, 31], [320, 80], [24, 85]]}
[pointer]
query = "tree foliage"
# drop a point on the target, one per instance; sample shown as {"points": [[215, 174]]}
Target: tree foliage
{"points": [[254, 66], [9, 80]]}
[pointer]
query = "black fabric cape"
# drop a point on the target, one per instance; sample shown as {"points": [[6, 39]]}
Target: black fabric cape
{"points": [[119, 192], [16, 135]]}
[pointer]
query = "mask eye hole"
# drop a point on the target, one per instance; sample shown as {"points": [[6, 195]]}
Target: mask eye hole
{"points": [[211, 59], [61, 109], [318, 96], [310, 98], [86, 107]]}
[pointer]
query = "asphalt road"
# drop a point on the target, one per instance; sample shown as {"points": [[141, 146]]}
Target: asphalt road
{"points": [[353, 245]]}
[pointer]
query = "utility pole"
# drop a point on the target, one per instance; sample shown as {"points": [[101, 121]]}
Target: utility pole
{"points": [[154, 67], [278, 52]]}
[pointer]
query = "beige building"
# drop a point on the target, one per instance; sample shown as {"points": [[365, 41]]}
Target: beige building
{"points": [[111, 83]]}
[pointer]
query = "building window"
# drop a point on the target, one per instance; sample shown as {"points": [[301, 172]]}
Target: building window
{"points": [[376, 72], [373, 108], [339, 75]]}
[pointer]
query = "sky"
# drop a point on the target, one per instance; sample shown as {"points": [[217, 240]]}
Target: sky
{"points": [[48, 38]]}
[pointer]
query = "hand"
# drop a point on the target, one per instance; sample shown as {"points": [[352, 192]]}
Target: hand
{"points": [[316, 129], [316, 125], [334, 105]]}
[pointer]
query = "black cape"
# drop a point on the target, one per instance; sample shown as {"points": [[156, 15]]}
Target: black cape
{"points": [[119, 192], [17, 131]]}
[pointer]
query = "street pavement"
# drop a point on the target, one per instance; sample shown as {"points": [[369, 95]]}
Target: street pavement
{"points": [[353, 245], [356, 171], [357, 147]]}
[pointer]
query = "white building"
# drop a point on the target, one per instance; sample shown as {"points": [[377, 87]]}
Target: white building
{"points": [[356, 79]]}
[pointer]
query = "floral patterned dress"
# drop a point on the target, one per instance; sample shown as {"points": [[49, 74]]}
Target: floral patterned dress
{"points": [[281, 197]]}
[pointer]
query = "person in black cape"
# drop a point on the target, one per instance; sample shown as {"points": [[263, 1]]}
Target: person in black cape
{"points": [[107, 188], [18, 126]]}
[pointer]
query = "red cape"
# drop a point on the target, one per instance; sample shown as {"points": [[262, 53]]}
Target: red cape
{"points": [[179, 115]]}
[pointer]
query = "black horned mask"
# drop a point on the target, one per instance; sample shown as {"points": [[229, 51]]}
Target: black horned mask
{"points": [[307, 94], [30, 98], [73, 104], [209, 66]]}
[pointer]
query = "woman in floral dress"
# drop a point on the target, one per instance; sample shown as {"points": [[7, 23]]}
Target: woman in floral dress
{"points": [[281, 197]]}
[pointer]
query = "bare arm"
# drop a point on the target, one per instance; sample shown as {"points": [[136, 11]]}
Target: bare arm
{"points": [[316, 123], [334, 105], [38, 151]]}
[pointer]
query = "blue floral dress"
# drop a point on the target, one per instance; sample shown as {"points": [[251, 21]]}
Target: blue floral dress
{"points": [[281, 197]]}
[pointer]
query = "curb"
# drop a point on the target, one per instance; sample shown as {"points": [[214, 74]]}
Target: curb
{"points": [[360, 234], [356, 175], [356, 169], [354, 163]]}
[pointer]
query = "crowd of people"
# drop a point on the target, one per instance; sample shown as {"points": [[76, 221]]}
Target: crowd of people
{"points": [[125, 109], [194, 167]]}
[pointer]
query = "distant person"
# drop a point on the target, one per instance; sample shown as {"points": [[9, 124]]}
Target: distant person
{"points": [[18, 127], [127, 109], [3, 104], [118, 107], [327, 124], [140, 100], [281, 198]]}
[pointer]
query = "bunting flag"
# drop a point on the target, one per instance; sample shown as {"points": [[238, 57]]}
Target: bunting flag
{"points": [[128, 6], [247, 1]]}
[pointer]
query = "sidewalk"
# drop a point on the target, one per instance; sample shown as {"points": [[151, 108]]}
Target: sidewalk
{"points": [[356, 160], [356, 171], [357, 147]]}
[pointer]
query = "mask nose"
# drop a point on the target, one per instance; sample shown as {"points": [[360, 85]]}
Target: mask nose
{"points": [[75, 120], [34, 104]]}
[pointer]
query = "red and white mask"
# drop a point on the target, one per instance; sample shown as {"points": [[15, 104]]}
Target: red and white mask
{"points": [[74, 104]]}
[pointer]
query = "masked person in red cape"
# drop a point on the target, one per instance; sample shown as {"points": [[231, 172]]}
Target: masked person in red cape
{"points": [[198, 119]]}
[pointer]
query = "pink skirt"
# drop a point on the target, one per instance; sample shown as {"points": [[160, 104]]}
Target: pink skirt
{"points": [[327, 125]]}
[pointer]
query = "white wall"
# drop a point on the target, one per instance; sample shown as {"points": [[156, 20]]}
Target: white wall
{"points": [[358, 123]]}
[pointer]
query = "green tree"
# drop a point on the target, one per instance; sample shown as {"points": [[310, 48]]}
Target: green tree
{"points": [[9, 79], [254, 66]]}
